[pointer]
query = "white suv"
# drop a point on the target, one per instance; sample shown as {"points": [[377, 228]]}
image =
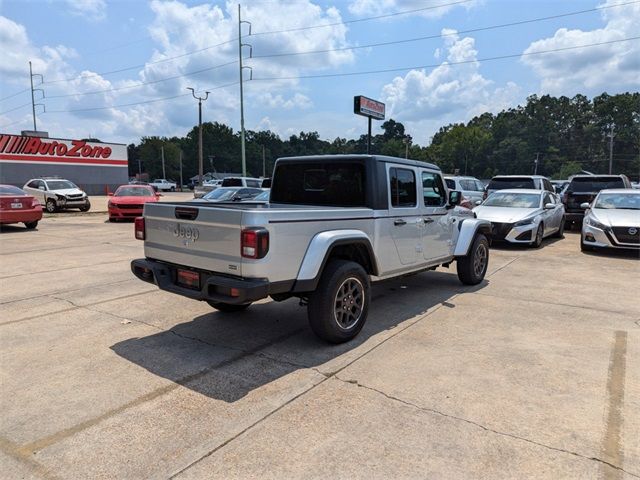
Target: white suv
{"points": [[57, 194], [471, 187]]}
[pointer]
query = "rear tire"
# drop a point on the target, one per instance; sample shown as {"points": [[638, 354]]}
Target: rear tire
{"points": [[228, 307], [473, 266], [31, 225], [560, 232], [339, 306], [51, 206]]}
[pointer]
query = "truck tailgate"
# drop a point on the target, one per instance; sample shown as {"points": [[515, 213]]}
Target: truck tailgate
{"points": [[205, 238]]}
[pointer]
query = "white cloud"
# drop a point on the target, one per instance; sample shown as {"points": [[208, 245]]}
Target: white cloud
{"points": [[612, 67], [424, 101], [428, 9], [94, 10]]}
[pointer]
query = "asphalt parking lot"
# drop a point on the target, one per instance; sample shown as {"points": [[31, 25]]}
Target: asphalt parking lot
{"points": [[533, 374]]}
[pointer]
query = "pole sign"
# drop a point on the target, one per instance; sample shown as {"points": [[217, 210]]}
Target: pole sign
{"points": [[368, 107]]}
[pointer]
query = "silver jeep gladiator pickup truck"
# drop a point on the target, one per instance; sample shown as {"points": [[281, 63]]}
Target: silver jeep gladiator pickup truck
{"points": [[333, 225]]}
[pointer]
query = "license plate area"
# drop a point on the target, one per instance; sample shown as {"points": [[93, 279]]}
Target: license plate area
{"points": [[16, 205], [188, 279]]}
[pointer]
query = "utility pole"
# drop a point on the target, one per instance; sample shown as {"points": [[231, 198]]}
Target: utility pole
{"points": [[33, 90], [181, 170], [240, 45], [200, 100], [407, 141], [263, 164], [164, 174], [535, 169], [611, 135]]}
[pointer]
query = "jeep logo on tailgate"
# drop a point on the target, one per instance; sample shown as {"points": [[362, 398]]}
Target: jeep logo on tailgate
{"points": [[184, 231]]}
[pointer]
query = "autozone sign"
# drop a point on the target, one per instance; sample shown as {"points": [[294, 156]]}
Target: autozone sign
{"points": [[20, 148], [368, 107]]}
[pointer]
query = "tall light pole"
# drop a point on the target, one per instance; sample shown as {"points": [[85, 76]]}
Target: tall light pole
{"points": [[200, 100], [611, 135], [240, 45], [33, 90]]}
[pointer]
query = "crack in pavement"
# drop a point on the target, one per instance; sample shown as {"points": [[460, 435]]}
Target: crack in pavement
{"points": [[483, 427], [13, 451], [326, 376]]}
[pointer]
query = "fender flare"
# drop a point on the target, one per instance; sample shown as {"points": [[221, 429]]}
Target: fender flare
{"points": [[319, 251], [469, 227]]}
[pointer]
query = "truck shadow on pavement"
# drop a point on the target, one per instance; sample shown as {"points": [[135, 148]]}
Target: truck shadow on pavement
{"points": [[227, 356]]}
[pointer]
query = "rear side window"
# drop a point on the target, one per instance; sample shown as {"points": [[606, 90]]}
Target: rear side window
{"points": [[232, 182], [451, 184], [253, 183], [594, 184], [470, 185], [402, 184], [510, 182], [324, 184], [433, 190], [266, 183]]}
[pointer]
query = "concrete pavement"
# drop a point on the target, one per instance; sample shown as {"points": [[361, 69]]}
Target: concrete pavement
{"points": [[534, 374]]}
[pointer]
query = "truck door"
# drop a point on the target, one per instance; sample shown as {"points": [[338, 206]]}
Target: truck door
{"points": [[404, 221], [436, 231]]}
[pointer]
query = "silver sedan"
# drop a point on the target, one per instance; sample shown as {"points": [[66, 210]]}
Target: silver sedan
{"points": [[523, 216], [612, 220]]}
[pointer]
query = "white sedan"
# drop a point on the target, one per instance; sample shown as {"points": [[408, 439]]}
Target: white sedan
{"points": [[523, 216], [612, 221]]}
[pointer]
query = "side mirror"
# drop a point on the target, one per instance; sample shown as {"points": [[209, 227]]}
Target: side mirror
{"points": [[478, 202], [549, 206], [455, 197], [110, 194], [584, 205]]}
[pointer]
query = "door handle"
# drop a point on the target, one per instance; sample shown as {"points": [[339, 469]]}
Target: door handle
{"points": [[399, 222], [427, 220]]}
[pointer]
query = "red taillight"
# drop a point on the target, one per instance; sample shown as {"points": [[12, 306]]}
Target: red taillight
{"points": [[254, 242], [140, 228]]}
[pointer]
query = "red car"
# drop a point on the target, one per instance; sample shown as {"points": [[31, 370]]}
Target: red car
{"points": [[128, 201], [17, 206]]}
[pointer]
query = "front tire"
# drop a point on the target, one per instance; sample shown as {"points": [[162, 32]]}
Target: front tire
{"points": [[31, 225], [228, 307], [339, 306], [473, 266], [85, 208], [537, 241], [51, 206]]}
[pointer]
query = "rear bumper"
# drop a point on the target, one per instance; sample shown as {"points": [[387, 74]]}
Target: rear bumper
{"points": [[574, 216], [214, 287], [19, 216]]}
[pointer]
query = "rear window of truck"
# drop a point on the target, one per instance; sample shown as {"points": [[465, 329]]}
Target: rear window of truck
{"points": [[511, 182], [594, 184], [322, 184]]}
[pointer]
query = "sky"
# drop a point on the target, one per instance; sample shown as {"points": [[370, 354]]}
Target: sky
{"points": [[119, 70]]}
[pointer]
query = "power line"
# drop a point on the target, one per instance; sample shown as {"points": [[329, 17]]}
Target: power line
{"points": [[162, 99], [14, 94], [366, 19], [16, 108], [141, 84], [442, 35], [133, 67], [463, 62]]}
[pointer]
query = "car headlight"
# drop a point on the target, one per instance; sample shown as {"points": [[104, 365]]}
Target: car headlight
{"points": [[522, 223], [59, 196], [594, 223]]}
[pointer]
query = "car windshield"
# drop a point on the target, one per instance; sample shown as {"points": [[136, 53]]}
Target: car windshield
{"points": [[11, 190], [618, 201], [134, 192], [513, 200], [60, 184], [221, 194], [594, 184], [510, 182]]}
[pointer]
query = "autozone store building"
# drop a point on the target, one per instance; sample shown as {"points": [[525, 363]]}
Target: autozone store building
{"points": [[95, 167]]}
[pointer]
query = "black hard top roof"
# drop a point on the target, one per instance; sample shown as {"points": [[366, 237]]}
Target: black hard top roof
{"points": [[378, 158]]}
